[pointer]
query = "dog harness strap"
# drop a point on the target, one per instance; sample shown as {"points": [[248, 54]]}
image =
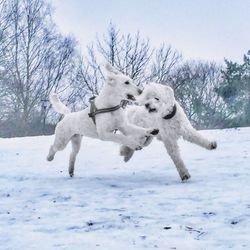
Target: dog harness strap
{"points": [[94, 111], [172, 114]]}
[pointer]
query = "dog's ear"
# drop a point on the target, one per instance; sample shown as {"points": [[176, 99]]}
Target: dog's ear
{"points": [[111, 79], [168, 90], [169, 105], [111, 69], [111, 74]]}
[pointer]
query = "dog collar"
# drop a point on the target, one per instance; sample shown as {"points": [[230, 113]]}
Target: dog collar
{"points": [[172, 114], [95, 111]]}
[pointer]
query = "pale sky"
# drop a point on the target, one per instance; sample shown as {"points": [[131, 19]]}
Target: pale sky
{"points": [[199, 29]]}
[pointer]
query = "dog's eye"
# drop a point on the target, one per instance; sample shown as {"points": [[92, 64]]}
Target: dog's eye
{"points": [[127, 82], [157, 99]]}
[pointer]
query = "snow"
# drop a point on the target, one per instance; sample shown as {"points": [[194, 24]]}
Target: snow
{"points": [[111, 205]]}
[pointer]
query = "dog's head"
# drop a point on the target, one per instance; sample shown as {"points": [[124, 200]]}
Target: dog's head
{"points": [[158, 99], [122, 85]]}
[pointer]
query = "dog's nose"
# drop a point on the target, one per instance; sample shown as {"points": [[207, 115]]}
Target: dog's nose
{"points": [[147, 105], [155, 132], [139, 91]]}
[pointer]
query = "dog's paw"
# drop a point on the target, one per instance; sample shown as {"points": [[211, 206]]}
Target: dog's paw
{"points": [[128, 156], [138, 148], [185, 176], [126, 152], [71, 170], [154, 132], [71, 173], [213, 145], [50, 158]]}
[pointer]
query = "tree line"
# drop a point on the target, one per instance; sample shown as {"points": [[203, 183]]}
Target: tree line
{"points": [[36, 59]]}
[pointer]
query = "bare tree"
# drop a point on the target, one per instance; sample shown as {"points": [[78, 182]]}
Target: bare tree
{"points": [[37, 60], [4, 24], [195, 86], [131, 55], [164, 61]]}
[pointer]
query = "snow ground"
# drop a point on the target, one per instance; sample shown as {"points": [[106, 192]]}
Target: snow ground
{"points": [[110, 205]]}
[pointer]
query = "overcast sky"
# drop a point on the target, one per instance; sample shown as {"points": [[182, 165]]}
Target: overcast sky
{"points": [[199, 29]]}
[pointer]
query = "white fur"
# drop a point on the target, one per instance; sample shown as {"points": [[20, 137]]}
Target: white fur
{"points": [[58, 105], [161, 98], [75, 125]]}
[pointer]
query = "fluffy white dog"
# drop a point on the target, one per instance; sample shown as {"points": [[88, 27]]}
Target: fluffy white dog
{"points": [[161, 110], [101, 119]]}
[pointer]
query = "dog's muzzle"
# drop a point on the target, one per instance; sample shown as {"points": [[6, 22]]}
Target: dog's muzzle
{"points": [[150, 110]]}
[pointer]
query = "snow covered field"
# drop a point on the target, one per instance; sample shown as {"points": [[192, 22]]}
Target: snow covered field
{"points": [[111, 205]]}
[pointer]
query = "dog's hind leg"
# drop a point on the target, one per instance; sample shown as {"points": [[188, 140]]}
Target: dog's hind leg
{"points": [[76, 144], [195, 137], [174, 152]]}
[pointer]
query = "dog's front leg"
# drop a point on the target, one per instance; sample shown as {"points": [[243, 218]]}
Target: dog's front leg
{"points": [[131, 129], [119, 138], [128, 152], [143, 135], [174, 152]]}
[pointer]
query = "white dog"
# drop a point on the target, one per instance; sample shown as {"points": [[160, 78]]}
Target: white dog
{"points": [[100, 120], [161, 110]]}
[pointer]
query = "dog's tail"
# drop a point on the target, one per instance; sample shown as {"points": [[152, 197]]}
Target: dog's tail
{"points": [[58, 105]]}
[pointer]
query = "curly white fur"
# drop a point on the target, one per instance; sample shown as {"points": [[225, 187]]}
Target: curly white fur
{"points": [[158, 101], [75, 125]]}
